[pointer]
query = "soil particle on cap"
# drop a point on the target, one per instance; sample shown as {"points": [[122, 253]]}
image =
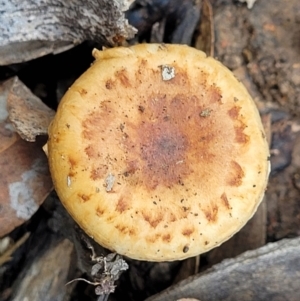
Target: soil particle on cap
{"points": [[205, 113], [185, 249]]}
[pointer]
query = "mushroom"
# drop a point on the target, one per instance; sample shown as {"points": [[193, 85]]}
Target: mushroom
{"points": [[158, 152]]}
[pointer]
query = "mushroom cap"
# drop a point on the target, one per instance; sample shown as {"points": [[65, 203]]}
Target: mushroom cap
{"points": [[158, 152]]}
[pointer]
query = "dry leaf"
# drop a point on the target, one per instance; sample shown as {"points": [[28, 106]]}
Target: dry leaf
{"points": [[24, 178], [30, 116], [206, 39]]}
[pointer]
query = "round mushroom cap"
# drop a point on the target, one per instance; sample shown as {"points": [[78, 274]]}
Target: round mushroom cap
{"points": [[158, 152]]}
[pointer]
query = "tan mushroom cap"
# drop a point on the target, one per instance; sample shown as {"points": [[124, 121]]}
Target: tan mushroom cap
{"points": [[158, 152]]}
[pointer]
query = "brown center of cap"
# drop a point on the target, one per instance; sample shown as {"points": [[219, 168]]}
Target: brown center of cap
{"points": [[164, 138], [161, 142], [162, 149]]}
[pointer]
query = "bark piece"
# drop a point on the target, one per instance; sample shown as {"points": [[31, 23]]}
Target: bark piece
{"points": [[30, 116], [45, 275], [269, 273], [33, 28]]}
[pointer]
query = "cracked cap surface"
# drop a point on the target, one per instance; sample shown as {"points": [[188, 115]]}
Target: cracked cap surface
{"points": [[158, 152]]}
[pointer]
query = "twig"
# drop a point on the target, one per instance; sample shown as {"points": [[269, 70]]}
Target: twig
{"points": [[6, 256]]}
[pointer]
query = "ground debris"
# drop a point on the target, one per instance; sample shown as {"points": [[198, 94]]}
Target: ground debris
{"points": [[24, 178], [105, 271]]}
